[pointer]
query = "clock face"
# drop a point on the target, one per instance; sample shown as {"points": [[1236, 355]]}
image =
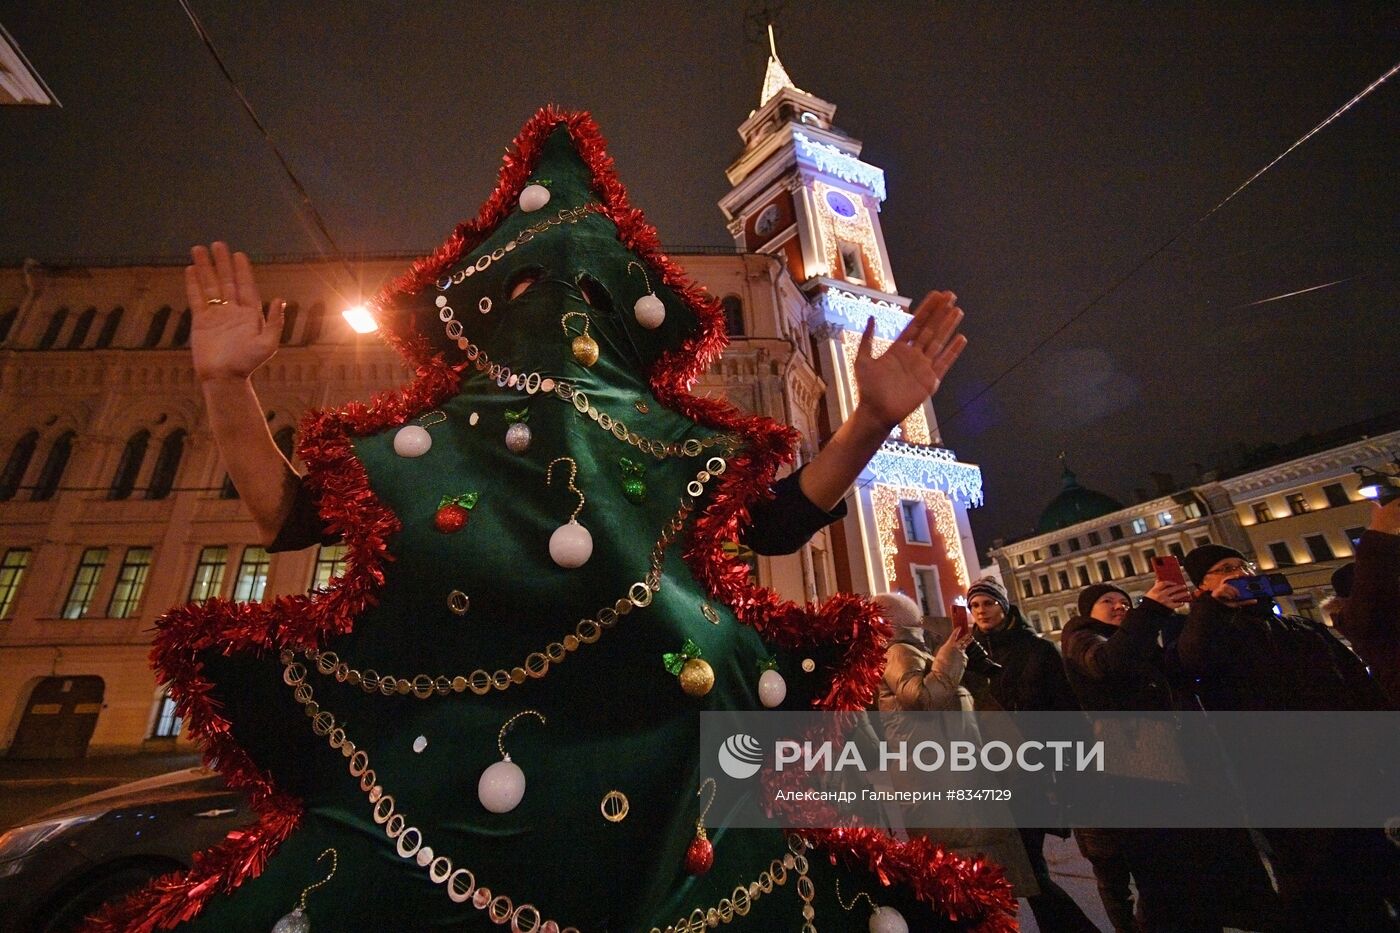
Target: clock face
{"points": [[841, 204], [767, 220]]}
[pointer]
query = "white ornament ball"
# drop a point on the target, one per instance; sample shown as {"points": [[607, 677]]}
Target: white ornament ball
{"points": [[650, 311], [571, 545], [518, 438], [501, 786], [294, 922], [533, 198], [412, 441], [772, 689], [887, 920], [420, 743]]}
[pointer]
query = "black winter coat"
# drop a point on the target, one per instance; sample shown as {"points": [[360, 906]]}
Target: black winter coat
{"points": [[1247, 658], [1032, 677], [1123, 667]]}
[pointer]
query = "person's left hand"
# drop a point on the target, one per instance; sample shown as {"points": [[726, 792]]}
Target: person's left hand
{"points": [[912, 368]]}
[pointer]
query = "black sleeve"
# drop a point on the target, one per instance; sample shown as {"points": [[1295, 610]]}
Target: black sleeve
{"points": [[303, 525], [1127, 652], [1209, 644], [784, 523], [1058, 694]]}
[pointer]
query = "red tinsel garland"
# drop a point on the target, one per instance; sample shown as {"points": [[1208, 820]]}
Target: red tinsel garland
{"points": [[965, 890]]}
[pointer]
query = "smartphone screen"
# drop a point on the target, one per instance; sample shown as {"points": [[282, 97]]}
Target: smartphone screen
{"points": [[1168, 570], [961, 621]]}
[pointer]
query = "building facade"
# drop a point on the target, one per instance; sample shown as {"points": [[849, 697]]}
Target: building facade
{"points": [[1300, 517]]}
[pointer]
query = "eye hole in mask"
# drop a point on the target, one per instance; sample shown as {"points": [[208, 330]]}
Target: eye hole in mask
{"points": [[594, 293], [522, 280]]}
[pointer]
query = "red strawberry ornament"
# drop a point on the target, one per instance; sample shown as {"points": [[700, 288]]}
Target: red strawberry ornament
{"points": [[699, 855], [453, 511]]}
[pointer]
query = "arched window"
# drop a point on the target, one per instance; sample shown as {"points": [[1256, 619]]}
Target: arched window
{"points": [[15, 467], [55, 325], [81, 329], [315, 320], [167, 465], [289, 321], [733, 315], [157, 328], [109, 328], [133, 455], [7, 323], [286, 439], [54, 465], [182, 330]]}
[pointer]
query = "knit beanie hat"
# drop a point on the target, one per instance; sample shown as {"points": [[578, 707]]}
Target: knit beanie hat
{"points": [[990, 587], [1199, 561], [1092, 594], [903, 613]]}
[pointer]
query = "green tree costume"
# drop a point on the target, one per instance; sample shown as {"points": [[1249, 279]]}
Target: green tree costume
{"points": [[360, 719]]}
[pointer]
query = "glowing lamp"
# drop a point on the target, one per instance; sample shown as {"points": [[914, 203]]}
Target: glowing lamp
{"points": [[1382, 486], [360, 319]]}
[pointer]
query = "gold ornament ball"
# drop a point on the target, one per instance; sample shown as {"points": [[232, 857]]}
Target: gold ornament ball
{"points": [[585, 350], [697, 677]]}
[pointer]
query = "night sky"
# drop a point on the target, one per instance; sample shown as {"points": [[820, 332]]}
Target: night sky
{"points": [[1034, 155]]}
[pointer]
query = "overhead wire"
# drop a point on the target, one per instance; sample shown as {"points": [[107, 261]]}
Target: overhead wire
{"points": [[305, 195], [1181, 234]]}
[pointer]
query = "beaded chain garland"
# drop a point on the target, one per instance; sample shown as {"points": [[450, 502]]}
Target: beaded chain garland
{"points": [[569, 215], [461, 884], [532, 383], [409, 842], [536, 665], [741, 901]]}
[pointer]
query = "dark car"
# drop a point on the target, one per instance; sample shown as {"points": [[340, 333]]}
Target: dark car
{"points": [[61, 865]]}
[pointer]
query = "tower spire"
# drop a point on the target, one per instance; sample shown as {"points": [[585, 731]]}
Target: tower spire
{"points": [[776, 77]]}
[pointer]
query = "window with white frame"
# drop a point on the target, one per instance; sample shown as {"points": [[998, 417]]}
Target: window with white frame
{"points": [[251, 580], [915, 518], [330, 563], [208, 582], [85, 581], [131, 583], [168, 723], [12, 568]]}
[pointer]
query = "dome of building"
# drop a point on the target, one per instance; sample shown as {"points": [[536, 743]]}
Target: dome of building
{"points": [[1073, 505]]}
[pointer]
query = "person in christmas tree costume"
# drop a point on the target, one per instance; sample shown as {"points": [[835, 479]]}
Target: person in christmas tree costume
{"points": [[491, 717]]}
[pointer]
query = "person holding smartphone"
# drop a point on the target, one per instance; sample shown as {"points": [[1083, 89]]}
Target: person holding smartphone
{"points": [[1117, 658], [923, 674], [1244, 656]]}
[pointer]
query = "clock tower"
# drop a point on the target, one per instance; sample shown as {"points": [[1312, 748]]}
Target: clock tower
{"points": [[801, 192]]}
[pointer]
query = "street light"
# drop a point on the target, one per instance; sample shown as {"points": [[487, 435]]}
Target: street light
{"points": [[1381, 485], [360, 319]]}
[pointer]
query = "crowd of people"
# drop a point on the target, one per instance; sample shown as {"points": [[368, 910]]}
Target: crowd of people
{"points": [[1184, 647]]}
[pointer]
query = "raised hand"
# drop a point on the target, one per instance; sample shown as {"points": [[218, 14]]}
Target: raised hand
{"points": [[228, 336], [912, 368]]}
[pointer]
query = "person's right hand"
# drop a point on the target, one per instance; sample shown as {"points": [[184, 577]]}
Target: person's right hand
{"points": [[955, 643], [1230, 596], [1386, 518], [228, 336], [1171, 595]]}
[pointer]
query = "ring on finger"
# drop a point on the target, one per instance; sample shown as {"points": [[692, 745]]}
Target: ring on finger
{"points": [[216, 301]]}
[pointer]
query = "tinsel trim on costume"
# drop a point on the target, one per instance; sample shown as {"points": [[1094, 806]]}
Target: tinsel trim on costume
{"points": [[969, 891], [347, 507]]}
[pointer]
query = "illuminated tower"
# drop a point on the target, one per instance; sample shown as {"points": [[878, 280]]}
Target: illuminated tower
{"points": [[801, 193]]}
